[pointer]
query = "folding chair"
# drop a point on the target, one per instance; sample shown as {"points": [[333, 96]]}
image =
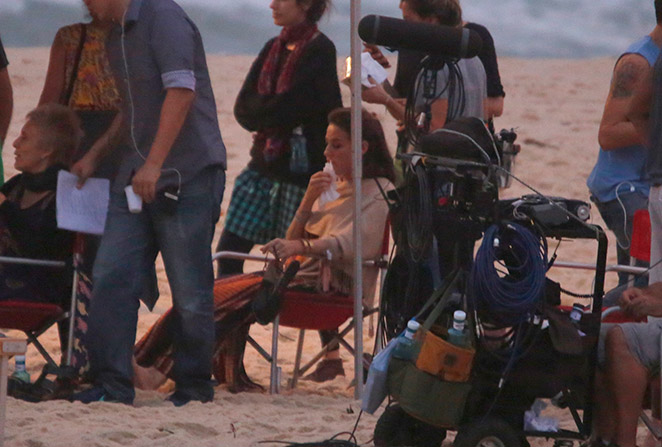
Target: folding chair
{"points": [[305, 310], [640, 241], [34, 319]]}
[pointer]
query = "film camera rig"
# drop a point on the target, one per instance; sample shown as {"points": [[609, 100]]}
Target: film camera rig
{"points": [[449, 198]]}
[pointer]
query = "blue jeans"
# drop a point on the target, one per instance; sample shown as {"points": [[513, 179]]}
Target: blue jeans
{"points": [[612, 214], [122, 274]]}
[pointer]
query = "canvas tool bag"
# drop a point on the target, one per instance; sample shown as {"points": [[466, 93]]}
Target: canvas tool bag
{"points": [[436, 398]]}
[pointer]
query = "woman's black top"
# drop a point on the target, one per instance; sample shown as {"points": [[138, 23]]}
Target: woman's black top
{"points": [[488, 57], [408, 61], [32, 233], [314, 93]]}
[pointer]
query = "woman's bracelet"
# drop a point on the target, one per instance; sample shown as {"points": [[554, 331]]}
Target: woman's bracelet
{"points": [[307, 246]]}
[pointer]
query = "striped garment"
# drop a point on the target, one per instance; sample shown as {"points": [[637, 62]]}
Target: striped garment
{"points": [[261, 209]]}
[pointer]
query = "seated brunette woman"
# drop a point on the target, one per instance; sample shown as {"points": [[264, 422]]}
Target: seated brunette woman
{"points": [[317, 228], [28, 226]]}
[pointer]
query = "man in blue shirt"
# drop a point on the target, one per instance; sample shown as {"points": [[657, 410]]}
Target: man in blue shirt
{"points": [[618, 182], [174, 159]]}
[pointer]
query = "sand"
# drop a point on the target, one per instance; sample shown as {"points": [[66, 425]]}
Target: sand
{"points": [[554, 105]]}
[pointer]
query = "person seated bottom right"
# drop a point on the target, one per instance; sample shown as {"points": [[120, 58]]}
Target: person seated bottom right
{"points": [[317, 229], [628, 357]]}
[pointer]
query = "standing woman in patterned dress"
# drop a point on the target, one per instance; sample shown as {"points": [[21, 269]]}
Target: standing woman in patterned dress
{"points": [[285, 100], [79, 77]]}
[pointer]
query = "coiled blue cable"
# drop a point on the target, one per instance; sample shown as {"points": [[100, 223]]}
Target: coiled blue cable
{"points": [[508, 276]]}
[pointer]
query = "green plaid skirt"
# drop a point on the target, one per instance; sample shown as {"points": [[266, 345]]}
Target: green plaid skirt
{"points": [[261, 209]]}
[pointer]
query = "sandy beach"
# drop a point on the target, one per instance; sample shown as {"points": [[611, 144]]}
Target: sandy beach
{"points": [[555, 107]]}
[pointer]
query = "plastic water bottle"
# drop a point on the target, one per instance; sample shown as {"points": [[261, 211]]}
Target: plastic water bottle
{"points": [[298, 154], [576, 315], [19, 369], [407, 347], [457, 335]]}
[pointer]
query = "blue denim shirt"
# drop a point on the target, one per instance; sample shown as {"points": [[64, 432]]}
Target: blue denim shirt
{"points": [[161, 48]]}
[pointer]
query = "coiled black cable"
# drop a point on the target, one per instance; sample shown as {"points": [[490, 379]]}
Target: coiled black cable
{"points": [[509, 295]]}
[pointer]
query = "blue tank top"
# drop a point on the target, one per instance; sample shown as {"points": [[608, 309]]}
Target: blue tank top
{"points": [[623, 166]]}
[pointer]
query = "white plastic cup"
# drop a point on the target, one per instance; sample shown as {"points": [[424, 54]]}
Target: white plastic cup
{"points": [[134, 201]]}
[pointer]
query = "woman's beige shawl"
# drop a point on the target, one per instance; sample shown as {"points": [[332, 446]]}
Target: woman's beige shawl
{"points": [[334, 222]]}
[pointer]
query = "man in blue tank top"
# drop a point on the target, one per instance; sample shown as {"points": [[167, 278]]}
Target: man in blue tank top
{"points": [[618, 183], [629, 353]]}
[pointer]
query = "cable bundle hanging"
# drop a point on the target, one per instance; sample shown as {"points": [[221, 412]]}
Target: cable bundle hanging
{"points": [[426, 88], [508, 276], [418, 214]]}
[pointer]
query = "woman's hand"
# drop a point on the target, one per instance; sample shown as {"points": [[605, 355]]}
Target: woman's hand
{"points": [[377, 54], [319, 182], [283, 248], [84, 168]]}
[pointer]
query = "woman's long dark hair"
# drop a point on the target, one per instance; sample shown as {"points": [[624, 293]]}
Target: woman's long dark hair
{"points": [[377, 161]]}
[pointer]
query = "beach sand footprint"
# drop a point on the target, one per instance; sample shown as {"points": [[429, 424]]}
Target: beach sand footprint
{"points": [[119, 437], [194, 429]]}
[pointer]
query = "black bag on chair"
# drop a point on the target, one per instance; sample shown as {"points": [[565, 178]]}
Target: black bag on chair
{"points": [[267, 303]]}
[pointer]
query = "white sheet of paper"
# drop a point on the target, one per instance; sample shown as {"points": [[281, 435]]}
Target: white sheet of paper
{"points": [[372, 68], [83, 210]]}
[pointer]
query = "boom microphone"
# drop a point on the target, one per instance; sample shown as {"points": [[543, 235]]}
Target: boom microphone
{"points": [[438, 40]]}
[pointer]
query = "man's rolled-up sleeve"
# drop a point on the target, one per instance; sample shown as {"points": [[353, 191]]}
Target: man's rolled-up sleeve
{"points": [[173, 41]]}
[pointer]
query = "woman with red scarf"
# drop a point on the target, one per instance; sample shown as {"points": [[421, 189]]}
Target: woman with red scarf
{"points": [[285, 100]]}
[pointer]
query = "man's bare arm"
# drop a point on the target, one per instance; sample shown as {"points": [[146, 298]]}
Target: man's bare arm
{"points": [[639, 109], [616, 130]]}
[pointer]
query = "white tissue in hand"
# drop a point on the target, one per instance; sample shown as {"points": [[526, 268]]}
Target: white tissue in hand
{"points": [[331, 193]]}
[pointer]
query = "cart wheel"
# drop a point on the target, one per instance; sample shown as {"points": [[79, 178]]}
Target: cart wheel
{"points": [[395, 428], [490, 432]]}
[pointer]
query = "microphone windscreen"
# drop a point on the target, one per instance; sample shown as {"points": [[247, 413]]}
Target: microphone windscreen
{"points": [[438, 40]]}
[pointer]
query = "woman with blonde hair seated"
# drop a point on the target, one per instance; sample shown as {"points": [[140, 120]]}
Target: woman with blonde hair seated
{"points": [[317, 228], [28, 225]]}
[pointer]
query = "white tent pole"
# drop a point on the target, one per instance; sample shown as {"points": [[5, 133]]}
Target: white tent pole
{"points": [[357, 139]]}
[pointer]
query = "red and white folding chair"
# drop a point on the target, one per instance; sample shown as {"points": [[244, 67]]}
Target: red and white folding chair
{"points": [[34, 318], [305, 310]]}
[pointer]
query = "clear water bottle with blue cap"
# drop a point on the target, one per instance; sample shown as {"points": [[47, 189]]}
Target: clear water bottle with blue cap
{"points": [[20, 373], [576, 315], [408, 347], [457, 333]]}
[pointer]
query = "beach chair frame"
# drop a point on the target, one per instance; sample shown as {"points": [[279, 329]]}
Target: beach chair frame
{"points": [[345, 313], [34, 319]]}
